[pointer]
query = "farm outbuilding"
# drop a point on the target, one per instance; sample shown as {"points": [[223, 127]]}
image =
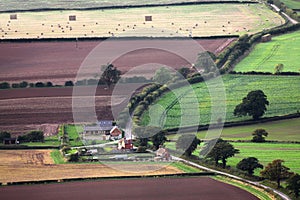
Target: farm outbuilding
{"points": [[8, 141], [266, 38]]}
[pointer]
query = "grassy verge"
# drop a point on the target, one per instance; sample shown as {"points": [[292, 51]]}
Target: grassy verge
{"points": [[259, 193], [57, 157], [185, 168]]}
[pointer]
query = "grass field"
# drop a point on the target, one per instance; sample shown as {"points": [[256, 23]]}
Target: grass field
{"points": [[283, 130], [293, 4], [6, 5], [265, 152], [73, 133], [268, 152], [282, 93], [283, 49], [198, 20]]}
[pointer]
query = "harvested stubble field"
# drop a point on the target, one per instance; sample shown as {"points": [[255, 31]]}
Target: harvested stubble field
{"points": [[9, 5], [189, 20], [34, 165], [59, 61]]}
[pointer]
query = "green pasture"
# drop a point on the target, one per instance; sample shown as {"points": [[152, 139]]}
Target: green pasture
{"points": [[73, 133], [195, 20], [264, 152], [282, 93], [283, 130], [6, 5], [284, 49], [267, 152], [293, 4]]}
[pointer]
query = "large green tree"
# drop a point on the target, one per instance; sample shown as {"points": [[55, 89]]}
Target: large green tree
{"points": [[110, 74], [3, 135], [158, 139], [276, 171], [293, 184], [162, 76], [254, 104], [259, 135], [143, 134], [221, 151], [187, 143], [249, 164]]}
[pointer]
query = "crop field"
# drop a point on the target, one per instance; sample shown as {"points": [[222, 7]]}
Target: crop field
{"points": [[30, 165], [284, 49], [7, 5], [283, 96], [189, 20], [268, 152], [283, 130]]}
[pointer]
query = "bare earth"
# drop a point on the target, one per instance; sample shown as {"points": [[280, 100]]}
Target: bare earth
{"points": [[26, 109], [60, 61], [31, 165], [161, 188]]}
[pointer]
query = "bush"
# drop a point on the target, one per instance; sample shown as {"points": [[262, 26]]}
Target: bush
{"points": [[4, 134], [23, 84], [33, 136], [4, 85], [141, 149], [39, 85], [69, 83]]}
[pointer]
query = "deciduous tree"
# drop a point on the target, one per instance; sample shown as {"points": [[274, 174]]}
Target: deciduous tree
{"points": [[110, 74], [254, 104], [276, 171], [158, 139], [293, 184], [249, 164], [259, 135], [221, 151], [188, 143], [162, 76]]}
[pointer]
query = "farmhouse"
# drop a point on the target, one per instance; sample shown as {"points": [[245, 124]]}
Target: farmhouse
{"points": [[116, 133], [105, 129]]}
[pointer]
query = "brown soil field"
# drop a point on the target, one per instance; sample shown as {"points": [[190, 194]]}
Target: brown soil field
{"points": [[60, 61], [158, 188], [31, 165]]}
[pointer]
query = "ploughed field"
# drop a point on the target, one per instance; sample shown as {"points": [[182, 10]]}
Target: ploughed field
{"points": [[59, 61], [156, 188]]}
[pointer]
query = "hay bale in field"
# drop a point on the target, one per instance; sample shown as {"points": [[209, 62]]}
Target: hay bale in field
{"points": [[13, 16], [72, 18], [148, 18], [266, 38]]}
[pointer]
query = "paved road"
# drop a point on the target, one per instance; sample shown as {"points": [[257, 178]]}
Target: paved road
{"points": [[283, 196], [288, 17]]}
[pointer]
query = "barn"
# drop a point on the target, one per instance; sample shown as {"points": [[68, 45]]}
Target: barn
{"points": [[266, 38]]}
